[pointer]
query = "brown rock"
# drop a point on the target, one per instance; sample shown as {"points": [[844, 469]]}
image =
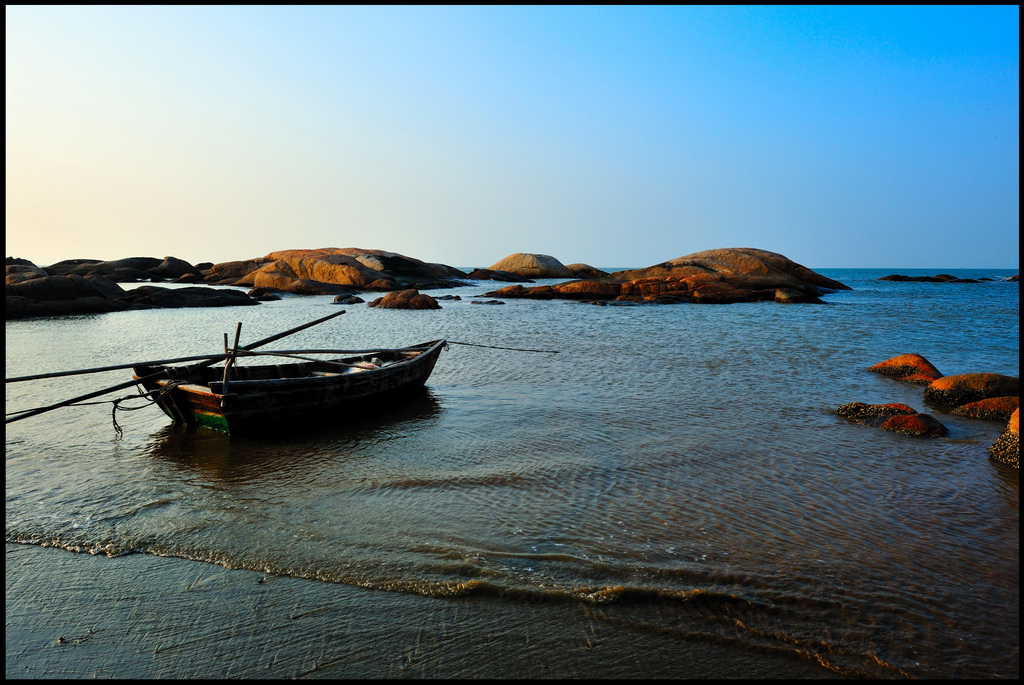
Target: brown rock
{"points": [[585, 271], [1006, 448], [992, 409], [912, 368], [405, 299], [953, 391], [229, 272]]}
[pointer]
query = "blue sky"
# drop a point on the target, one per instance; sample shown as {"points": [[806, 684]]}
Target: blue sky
{"points": [[615, 136]]}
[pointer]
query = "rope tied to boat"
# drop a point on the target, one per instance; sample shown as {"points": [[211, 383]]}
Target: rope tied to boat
{"points": [[496, 347], [150, 397]]}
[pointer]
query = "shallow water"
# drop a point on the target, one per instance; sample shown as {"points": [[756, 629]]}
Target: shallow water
{"points": [[673, 470]]}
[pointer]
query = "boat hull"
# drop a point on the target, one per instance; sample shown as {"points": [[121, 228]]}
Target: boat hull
{"points": [[319, 393]]}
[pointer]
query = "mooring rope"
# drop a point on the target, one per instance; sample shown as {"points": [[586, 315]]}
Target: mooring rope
{"points": [[151, 398], [495, 347]]}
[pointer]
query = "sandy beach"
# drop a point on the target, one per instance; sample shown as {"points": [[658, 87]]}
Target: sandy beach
{"points": [[74, 615]]}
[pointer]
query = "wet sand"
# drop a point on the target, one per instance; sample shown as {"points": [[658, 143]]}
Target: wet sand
{"points": [[73, 615]]}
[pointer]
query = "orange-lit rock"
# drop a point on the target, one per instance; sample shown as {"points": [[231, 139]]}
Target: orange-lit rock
{"points": [[953, 391], [405, 299], [1006, 448], [918, 425], [912, 368], [992, 409]]}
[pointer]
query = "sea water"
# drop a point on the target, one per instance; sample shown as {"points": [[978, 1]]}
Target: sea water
{"points": [[675, 478]]}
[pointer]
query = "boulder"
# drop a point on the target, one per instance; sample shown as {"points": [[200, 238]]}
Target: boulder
{"points": [[742, 267], [912, 368], [532, 266], [324, 270], [991, 409], [893, 417], [953, 391], [492, 275], [917, 425], [1006, 448], [405, 299]]}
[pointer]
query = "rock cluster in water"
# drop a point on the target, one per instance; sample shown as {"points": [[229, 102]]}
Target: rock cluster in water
{"points": [[721, 276], [893, 417], [78, 286], [986, 396]]}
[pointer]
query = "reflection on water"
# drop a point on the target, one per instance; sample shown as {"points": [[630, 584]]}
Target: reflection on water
{"points": [[228, 457]]}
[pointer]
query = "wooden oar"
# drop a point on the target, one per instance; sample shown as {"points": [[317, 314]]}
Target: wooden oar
{"points": [[177, 360], [121, 386]]}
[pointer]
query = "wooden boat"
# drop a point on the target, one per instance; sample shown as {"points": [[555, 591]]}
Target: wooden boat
{"points": [[272, 398]]}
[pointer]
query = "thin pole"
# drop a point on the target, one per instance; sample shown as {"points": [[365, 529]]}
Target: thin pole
{"points": [[164, 373], [231, 357]]}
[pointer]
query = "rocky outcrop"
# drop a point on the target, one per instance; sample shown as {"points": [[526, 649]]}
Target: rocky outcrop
{"points": [[532, 266], [912, 368], [953, 391], [893, 417], [711, 277], [322, 271], [130, 269], [405, 299], [175, 298], [61, 295], [1006, 448], [92, 294], [938, 278]]}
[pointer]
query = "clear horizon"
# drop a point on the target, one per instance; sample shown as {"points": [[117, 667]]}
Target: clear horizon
{"points": [[849, 136]]}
